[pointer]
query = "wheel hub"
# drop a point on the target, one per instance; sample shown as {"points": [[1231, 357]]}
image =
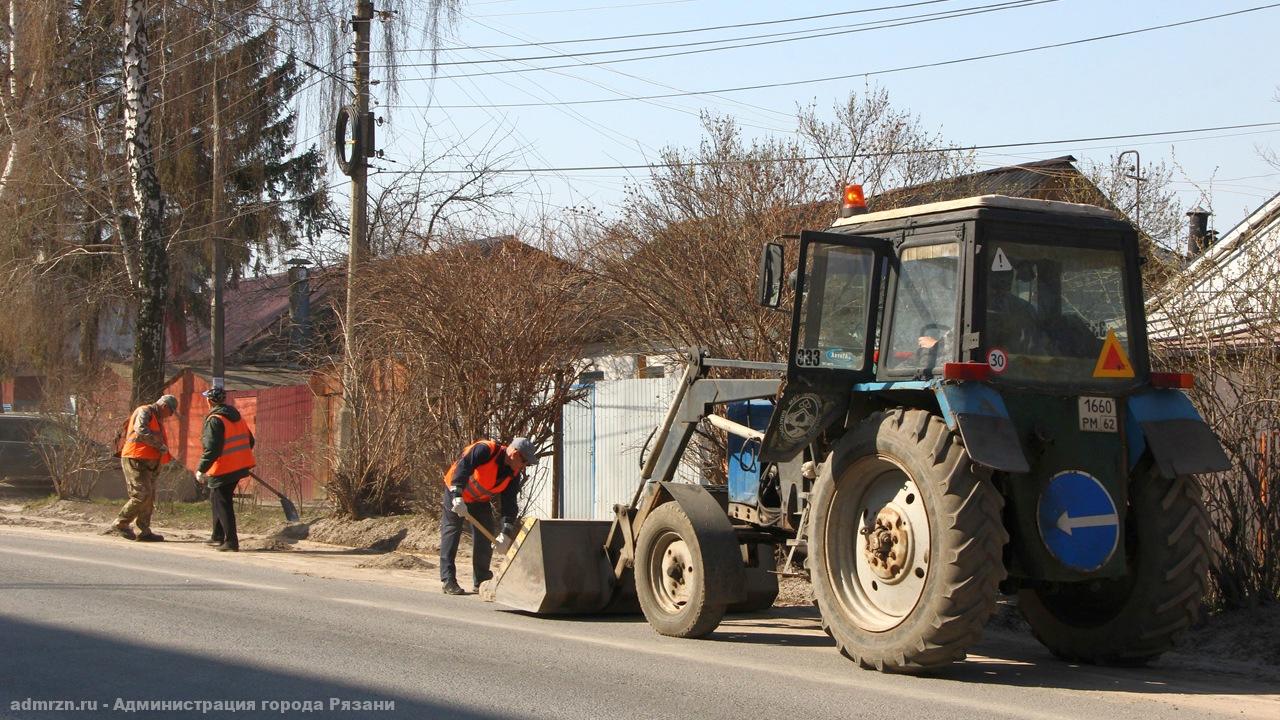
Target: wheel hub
{"points": [[677, 575], [887, 545]]}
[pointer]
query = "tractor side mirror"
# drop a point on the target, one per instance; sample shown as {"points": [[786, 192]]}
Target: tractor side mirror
{"points": [[771, 273]]}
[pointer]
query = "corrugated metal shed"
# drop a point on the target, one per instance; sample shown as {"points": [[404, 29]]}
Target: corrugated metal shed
{"points": [[535, 494], [577, 495], [604, 437]]}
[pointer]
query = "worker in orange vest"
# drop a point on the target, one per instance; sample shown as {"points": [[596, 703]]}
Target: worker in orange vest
{"points": [[144, 450], [487, 469], [227, 459]]}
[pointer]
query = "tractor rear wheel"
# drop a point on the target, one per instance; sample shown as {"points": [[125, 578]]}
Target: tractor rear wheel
{"points": [[905, 542], [1133, 619], [672, 575]]}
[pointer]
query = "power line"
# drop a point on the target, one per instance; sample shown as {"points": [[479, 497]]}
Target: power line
{"points": [[708, 28], [865, 74], [778, 39], [811, 158], [622, 94], [596, 7]]}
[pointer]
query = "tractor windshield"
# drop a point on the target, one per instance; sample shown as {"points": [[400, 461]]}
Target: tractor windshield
{"points": [[1055, 313]]}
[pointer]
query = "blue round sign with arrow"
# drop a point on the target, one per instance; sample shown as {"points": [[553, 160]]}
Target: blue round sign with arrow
{"points": [[1078, 520]]}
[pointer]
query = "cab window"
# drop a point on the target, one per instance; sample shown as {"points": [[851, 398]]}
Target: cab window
{"points": [[924, 309], [1050, 310], [834, 307]]}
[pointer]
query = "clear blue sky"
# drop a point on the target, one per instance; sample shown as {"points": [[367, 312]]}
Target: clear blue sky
{"points": [[1220, 72]]}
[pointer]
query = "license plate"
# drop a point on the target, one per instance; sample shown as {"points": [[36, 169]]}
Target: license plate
{"points": [[1098, 414]]}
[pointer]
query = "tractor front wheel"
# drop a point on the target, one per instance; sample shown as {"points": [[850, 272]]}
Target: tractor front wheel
{"points": [[905, 542], [672, 575], [1133, 619]]}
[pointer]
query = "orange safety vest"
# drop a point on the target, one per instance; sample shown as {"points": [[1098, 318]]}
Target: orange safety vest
{"points": [[237, 453], [140, 451], [483, 483]]}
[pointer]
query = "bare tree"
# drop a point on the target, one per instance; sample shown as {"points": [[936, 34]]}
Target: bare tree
{"points": [[869, 141], [1151, 204], [1221, 321], [75, 460], [481, 338], [678, 267], [1269, 154]]}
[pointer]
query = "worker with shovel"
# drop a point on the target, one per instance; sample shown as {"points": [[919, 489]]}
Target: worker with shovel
{"points": [[143, 450], [487, 469], [227, 459]]}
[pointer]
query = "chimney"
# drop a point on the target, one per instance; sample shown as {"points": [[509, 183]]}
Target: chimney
{"points": [[299, 306], [1198, 237]]}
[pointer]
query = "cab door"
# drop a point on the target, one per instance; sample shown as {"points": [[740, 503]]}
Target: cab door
{"points": [[833, 335]]}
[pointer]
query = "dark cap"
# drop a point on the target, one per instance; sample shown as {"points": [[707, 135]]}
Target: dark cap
{"points": [[526, 449]]}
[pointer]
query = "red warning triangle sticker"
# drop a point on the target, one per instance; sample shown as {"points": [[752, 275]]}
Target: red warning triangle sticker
{"points": [[1112, 361]]}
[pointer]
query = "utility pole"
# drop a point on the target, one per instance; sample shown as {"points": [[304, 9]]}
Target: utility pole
{"points": [[1136, 177], [357, 168], [219, 247]]}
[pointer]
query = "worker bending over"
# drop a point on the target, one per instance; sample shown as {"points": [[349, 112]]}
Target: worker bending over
{"points": [[487, 469]]}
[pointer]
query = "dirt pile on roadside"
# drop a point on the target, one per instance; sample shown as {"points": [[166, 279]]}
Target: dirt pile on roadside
{"points": [[1244, 635], [74, 511], [397, 561], [289, 532], [408, 533], [270, 543]]}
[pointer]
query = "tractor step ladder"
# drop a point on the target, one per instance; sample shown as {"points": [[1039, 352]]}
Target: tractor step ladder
{"points": [[801, 540]]}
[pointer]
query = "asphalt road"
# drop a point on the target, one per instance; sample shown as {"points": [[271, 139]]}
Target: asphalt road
{"points": [[97, 620]]}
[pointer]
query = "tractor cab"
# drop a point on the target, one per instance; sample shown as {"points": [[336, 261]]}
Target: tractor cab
{"points": [[1044, 294]]}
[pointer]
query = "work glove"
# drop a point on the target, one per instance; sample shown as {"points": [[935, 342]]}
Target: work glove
{"points": [[460, 507], [201, 477], [502, 543]]}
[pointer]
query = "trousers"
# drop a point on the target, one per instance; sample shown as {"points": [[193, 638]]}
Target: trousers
{"points": [[222, 498], [140, 477], [451, 535]]}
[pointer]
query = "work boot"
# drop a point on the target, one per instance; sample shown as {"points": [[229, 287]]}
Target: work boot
{"points": [[453, 588], [125, 532], [149, 536], [224, 547]]}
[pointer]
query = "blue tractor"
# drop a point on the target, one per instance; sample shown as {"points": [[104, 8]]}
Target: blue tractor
{"points": [[967, 411]]}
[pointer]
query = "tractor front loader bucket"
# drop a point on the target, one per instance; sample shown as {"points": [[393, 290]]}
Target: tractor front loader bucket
{"points": [[559, 567]]}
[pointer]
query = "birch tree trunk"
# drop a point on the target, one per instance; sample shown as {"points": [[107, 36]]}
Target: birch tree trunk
{"points": [[9, 90], [152, 286]]}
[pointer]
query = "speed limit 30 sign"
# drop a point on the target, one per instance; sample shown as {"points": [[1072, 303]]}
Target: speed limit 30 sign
{"points": [[998, 359]]}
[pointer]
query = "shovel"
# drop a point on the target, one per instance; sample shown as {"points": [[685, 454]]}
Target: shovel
{"points": [[483, 530], [290, 510], [502, 548]]}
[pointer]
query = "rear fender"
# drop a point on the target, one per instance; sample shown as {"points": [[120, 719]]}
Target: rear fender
{"points": [[978, 413], [1165, 423]]}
